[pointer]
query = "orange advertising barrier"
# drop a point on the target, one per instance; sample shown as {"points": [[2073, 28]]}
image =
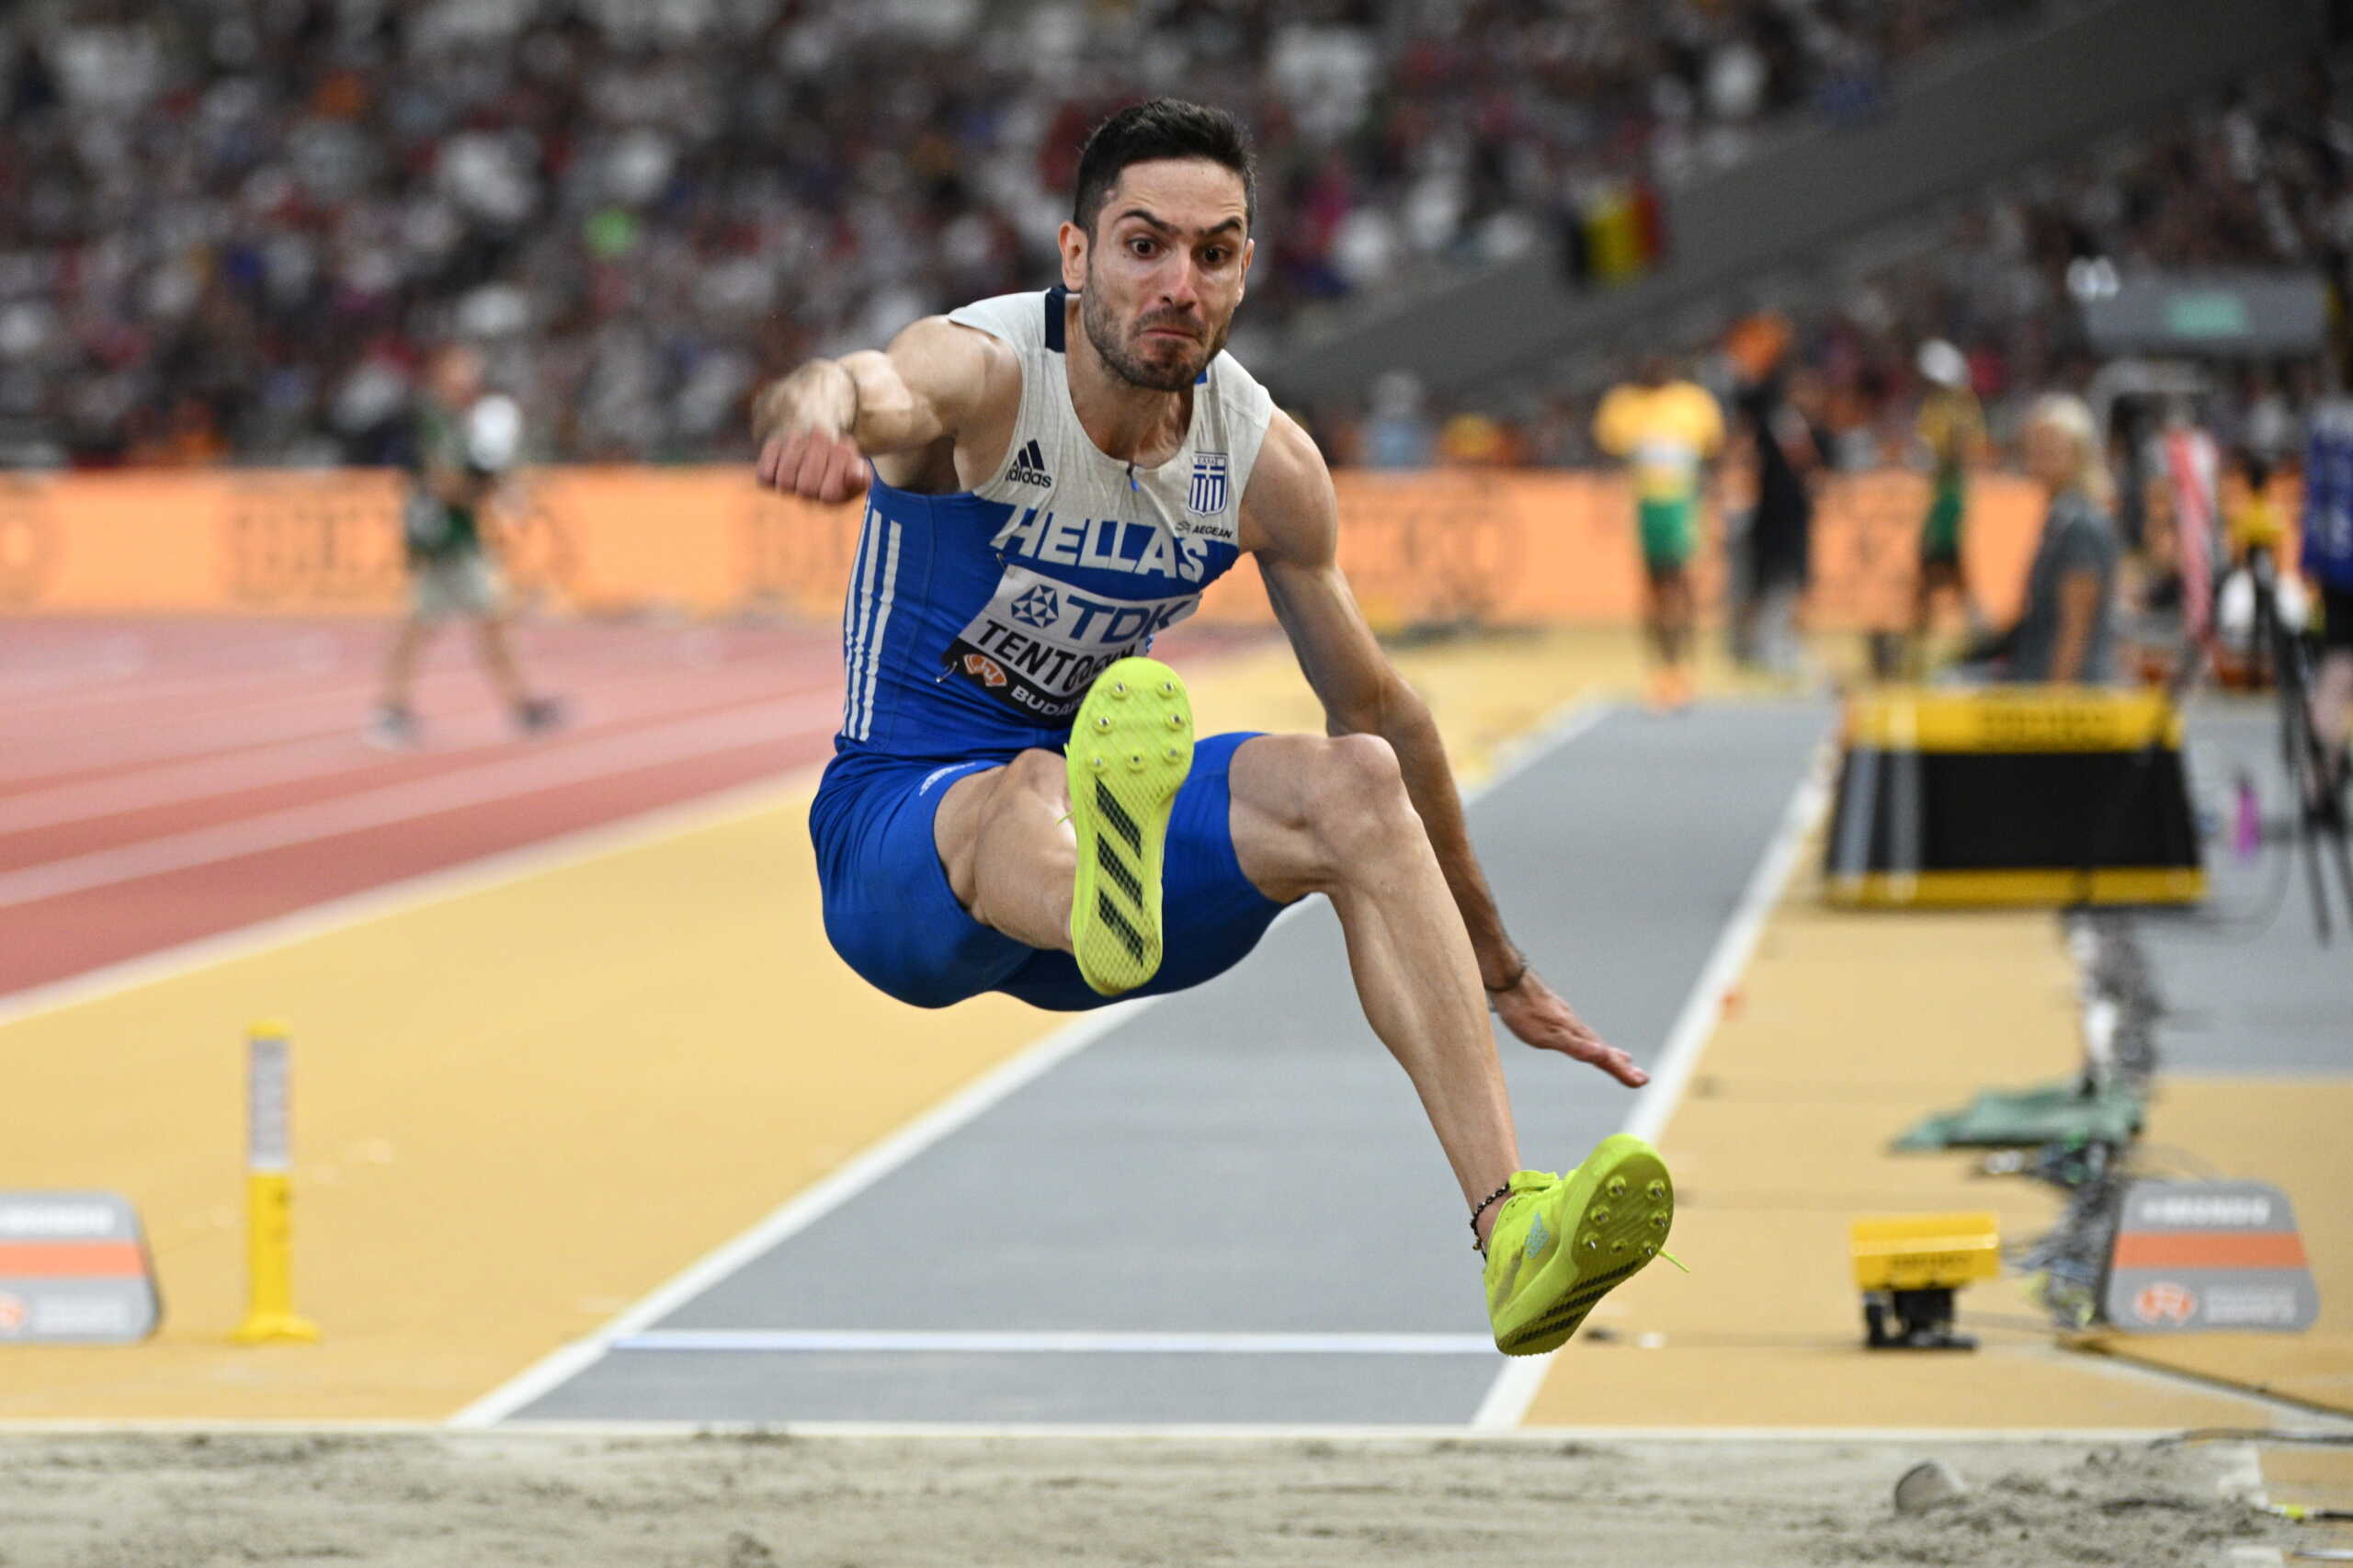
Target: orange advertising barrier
{"points": [[1451, 547]]}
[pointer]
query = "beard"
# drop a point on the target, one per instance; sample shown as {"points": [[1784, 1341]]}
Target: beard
{"points": [[1130, 365]]}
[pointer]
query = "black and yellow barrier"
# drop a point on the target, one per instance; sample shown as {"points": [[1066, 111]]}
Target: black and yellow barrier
{"points": [[2012, 795]]}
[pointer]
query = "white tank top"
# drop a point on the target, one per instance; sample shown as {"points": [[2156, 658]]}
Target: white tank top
{"points": [[975, 622]]}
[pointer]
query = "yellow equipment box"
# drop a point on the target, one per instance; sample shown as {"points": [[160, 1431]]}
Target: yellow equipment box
{"points": [[2012, 795], [1909, 1265]]}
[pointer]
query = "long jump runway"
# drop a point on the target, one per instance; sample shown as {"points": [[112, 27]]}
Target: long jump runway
{"points": [[1224, 1208]]}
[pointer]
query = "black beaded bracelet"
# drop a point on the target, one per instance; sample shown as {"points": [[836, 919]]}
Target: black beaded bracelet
{"points": [[1484, 1204], [1512, 984]]}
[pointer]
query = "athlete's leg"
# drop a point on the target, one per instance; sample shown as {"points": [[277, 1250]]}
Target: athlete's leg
{"points": [[1655, 616], [1009, 850], [495, 647], [1940, 577], [1330, 815], [1309, 814], [1675, 617], [400, 662]]}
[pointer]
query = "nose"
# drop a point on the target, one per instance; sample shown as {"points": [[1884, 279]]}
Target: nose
{"points": [[1179, 284]]}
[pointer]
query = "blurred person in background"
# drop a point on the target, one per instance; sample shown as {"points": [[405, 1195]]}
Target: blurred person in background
{"points": [[1051, 478], [2327, 560], [1786, 451], [1398, 432], [2247, 620], [1473, 439], [2151, 575], [2253, 523], [1666, 431], [462, 443], [1951, 426], [2187, 455], [2068, 633]]}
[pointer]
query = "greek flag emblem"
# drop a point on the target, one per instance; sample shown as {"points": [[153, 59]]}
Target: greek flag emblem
{"points": [[1207, 496]]}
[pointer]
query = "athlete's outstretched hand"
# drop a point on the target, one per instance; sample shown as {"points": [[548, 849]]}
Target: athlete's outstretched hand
{"points": [[1534, 1011], [803, 425]]}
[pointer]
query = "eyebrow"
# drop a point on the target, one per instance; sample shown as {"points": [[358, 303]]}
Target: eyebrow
{"points": [[1169, 228]]}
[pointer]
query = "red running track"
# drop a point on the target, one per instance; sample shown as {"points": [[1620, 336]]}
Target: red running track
{"points": [[166, 781]]}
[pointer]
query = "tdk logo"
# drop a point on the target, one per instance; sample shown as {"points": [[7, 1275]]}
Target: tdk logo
{"points": [[1030, 468]]}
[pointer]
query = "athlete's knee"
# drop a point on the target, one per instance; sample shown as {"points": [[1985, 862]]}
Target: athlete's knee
{"points": [[1041, 774], [998, 837], [1011, 802], [1359, 803]]}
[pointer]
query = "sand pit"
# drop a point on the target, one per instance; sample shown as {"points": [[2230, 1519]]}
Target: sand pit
{"points": [[427, 1500]]}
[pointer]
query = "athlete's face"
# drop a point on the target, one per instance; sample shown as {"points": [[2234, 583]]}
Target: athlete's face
{"points": [[458, 376], [1161, 274]]}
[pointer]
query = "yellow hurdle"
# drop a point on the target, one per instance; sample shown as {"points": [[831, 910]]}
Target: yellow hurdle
{"points": [[271, 1317]]}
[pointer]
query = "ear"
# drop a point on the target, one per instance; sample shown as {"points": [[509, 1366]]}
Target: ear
{"points": [[1072, 241]]}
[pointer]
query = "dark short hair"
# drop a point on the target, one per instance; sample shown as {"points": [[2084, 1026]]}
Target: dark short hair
{"points": [[1162, 128]]}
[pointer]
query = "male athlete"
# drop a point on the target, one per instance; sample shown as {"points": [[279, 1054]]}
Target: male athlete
{"points": [[463, 445], [1667, 429], [1017, 802]]}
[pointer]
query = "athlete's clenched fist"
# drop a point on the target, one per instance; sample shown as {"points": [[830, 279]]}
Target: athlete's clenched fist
{"points": [[804, 424]]}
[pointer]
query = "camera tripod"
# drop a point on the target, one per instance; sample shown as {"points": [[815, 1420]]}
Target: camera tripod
{"points": [[2317, 778]]}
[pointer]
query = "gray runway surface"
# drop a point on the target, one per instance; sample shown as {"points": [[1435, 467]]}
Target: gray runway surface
{"points": [[1246, 1157], [2247, 984]]}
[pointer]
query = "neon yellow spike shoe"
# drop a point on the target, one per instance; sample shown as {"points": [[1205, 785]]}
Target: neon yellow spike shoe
{"points": [[1563, 1243], [1131, 747]]}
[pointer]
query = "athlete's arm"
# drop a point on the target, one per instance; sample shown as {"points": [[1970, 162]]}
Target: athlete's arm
{"points": [[818, 425], [1291, 520]]}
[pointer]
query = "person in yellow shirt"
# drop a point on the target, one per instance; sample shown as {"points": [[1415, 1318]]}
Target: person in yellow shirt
{"points": [[1666, 430], [2251, 518]]}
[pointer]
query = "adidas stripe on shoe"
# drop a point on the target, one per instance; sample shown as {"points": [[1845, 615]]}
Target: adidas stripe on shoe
{"points": [[1131, 748], [1560, 1244]]}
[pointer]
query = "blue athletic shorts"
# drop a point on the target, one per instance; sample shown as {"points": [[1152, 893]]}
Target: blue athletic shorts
{"points": [[892, 915]]}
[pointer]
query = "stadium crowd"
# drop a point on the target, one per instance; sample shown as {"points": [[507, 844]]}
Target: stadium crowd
{"points": [[2263, 177], [233, 230]]}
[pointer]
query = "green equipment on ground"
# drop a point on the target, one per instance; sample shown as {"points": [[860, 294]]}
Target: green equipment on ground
{"points": [[2062, 1112]]}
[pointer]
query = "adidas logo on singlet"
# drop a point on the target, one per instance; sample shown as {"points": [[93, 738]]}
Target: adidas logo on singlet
{"points": [[1030, 468]]}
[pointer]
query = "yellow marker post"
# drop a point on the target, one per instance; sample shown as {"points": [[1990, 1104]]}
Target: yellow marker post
{"points": [[271, 1317]]}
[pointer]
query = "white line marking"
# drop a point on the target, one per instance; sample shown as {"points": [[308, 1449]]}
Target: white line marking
{"points": [[340, 752], [413, 892], [169, 783], [639, 751], [1515, 1387], [1270, 1436], [1505, 1404], [1273, 1433], [118, 656], [1053, 1342], [1701, 1009], [456, 696], [802, 1210], [268, 664], [864, 1170]]}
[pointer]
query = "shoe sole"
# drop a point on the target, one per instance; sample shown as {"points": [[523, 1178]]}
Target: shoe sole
{"points": [[1131, 748], [1624, 1201]]}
